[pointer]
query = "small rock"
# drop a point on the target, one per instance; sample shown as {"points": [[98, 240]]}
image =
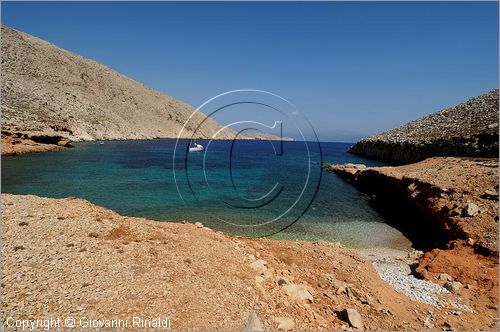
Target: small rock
{"points": [[470, 242], [286, 324], [259, 265], [198, 224], [445, 277], [299, 293], [253, 323], [64, 142], [282, 281], [352, 317], [470, 210], [415, 254], [490, 194], [453, 286]]}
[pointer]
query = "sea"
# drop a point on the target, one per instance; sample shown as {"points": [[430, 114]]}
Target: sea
{"points": [[245, 187]]}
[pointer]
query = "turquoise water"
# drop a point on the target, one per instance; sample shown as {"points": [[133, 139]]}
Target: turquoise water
{"points": [[251, 188]]}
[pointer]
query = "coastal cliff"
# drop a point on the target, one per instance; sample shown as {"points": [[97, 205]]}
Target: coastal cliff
{"points": [[435, 201], [468, 129], [50, 95]]}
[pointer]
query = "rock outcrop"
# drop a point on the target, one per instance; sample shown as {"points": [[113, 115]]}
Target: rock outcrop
{"points": [[50, 92], [468, 129], [435, 201]]}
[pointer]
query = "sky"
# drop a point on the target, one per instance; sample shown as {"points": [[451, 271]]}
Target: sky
{"points": [[352, 69]]}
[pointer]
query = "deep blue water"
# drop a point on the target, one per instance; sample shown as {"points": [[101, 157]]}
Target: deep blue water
{"points": [[249, 188]]}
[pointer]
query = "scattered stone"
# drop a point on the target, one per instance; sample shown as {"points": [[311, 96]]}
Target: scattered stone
{"points": [[352, 317], [415, 254], [253, 323], [23, 223], [260, 266], [198, 224], [282, 281], [470, 210], [298, 293], [445, 277], [453, 286], [470, 242], [286, 324], [490, 194]]}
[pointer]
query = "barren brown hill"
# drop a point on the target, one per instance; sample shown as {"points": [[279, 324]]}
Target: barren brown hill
{"points": [[50, 92], [469, 129]]}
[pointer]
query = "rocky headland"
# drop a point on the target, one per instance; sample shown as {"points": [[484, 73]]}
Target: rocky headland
{"points": [[50, 95], [69, 258], [468, 129], [436, 201]]}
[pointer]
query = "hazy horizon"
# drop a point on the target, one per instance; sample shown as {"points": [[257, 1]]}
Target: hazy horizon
{"points": [[352, 69]]}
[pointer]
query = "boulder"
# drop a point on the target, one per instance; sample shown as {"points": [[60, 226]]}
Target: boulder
{"points": [[260, 266], [286, 324], [352, 317], [453, 286], [470, 210], [298, 293], [445, 277], [253, 323]]}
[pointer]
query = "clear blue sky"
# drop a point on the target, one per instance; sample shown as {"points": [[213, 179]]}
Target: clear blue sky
{"points": [[352, 68]]}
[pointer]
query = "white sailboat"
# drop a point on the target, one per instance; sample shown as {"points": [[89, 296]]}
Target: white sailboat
{"points": [[196, 147]]}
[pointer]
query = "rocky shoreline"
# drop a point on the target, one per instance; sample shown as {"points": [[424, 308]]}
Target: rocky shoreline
{"points": [[446, 205], [21, 143], [67, 257], [448, 198], [467, 130]]}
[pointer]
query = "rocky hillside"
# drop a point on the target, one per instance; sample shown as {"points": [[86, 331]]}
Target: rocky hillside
{"points": [[49, 92], [469, 129]]}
